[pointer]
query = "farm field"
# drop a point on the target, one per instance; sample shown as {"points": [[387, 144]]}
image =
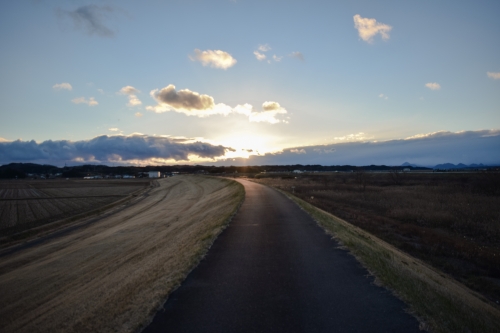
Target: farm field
{"points": [[113, 275], [26, 204], [451, 221]]}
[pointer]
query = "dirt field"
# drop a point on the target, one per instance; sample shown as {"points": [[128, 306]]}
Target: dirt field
{"points": [[451, 221], [29, 204], [112, 275]]}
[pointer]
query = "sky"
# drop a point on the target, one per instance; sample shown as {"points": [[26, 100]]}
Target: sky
{"points": [[250, 82]]}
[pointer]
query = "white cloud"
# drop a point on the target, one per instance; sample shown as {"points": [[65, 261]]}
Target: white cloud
{"points": [[276, 58], [297, 55], [194, 104], [264, 47], [494, 75], [259, 56], [433, 86], [81, 100], [298, 151], [138, 114], [61, 86], [383, 96], [351, 137], [131, 92], [113, 129], [213, 58], [269, 114], [133, 101], [101, 91], [369, 27]]}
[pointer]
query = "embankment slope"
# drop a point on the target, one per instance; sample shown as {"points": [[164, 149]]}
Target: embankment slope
{"points": [[112, 275]]}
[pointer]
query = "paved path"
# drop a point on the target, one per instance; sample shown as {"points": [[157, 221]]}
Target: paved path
{"points": [[274, 270]]}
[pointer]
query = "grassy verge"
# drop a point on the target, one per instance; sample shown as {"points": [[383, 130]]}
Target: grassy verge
{"points": [[442, 303]]}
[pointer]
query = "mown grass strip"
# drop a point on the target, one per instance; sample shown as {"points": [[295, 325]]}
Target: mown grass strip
{"points": [[443, 304]]}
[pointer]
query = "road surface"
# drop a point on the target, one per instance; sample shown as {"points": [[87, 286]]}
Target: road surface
{"points": [[275, 270]]}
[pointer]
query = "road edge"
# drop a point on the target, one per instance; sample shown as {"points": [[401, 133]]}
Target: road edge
{"points": [[438, 301], [198, 256]]}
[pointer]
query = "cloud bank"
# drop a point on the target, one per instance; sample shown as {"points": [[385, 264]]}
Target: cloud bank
{"points": [[194, 104], [214, 58], [424, 149], [135, 148], [369, 28]]}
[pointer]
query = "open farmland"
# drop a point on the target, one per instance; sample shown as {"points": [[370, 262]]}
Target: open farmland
{"points": [[29, 204], [451, 221], [112, 275]]}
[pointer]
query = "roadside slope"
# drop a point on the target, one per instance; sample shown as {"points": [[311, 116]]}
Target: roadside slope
{"points": [[112, 275]]}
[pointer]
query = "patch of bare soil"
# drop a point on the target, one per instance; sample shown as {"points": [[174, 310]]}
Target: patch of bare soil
{"points": [[113, 275]]}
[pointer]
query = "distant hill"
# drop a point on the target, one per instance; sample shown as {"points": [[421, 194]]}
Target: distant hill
{"points": [[458, 166], [406, 164]]}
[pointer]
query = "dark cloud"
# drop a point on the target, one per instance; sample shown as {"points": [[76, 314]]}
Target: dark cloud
{"points": [[270, 106], [90, 18], [108, 148], [182, 99]]}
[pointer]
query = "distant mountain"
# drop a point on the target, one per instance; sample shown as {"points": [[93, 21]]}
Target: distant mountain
{"points": [[406, 164]]}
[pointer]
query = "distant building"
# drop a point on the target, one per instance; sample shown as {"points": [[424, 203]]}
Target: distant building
{"points": [[154, 174], [128, 177], [297, 171], [406, 170]]}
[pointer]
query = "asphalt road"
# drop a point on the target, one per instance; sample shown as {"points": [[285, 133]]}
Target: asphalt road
{"points": [[275, 270]]}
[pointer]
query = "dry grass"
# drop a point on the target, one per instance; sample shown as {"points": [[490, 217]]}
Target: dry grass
{"points": [[444, 304], [450, 221], [113, 275]]}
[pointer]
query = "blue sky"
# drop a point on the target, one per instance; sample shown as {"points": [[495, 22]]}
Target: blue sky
{"points": [[407, 69]]}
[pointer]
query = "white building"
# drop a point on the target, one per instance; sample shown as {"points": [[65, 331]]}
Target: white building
{"points": [[154, 174]]}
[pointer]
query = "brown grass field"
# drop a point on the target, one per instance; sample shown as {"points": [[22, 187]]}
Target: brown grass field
{"points": [[112, 275], [451, 221], [34, 203]]}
